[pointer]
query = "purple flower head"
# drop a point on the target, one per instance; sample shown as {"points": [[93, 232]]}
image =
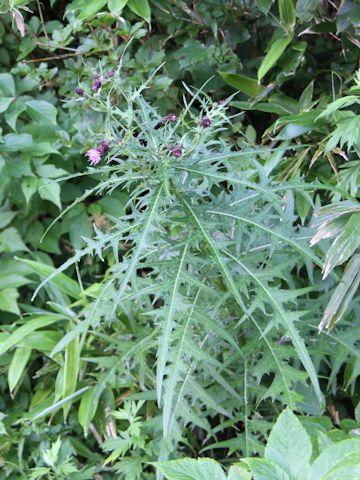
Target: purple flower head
{"points": [[205, 122], [176, 150], [171, 117], [103, 147], [80, 91], [94, 156], [110, 74], [96, 85]]}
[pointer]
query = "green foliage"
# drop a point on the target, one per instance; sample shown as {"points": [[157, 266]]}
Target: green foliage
{"points": [[157, 306], [293, 452]]}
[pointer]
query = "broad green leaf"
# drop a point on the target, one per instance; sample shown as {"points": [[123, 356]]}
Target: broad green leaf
{"points": [[8, 300], [6, 217], [348, 469], [42, 340], [71, 371], [89, 9], [333, 455], [17, 366], [15, 142], [263, 469], [86, 407], [29, 186], [289, 446], [344, 245], [56, 405], [5, 103], [41, 149], [49, 190], [247, 85], [287, 13], [12, 280], [276, 49], [42, 111], [342, 295], [116, 6], [357, 413], [7, 85], [141, 8], [10, 241], [61, 280], [50, 171], [13, 112], [306, 96], [261, 107], [238, 472], [292, 130], [191, 469], [32, 323]]}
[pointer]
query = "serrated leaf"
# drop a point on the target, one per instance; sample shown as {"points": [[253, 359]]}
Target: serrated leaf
{"points": [[332, 456], [191, 469], [164, 343], [348, 469], [289, 446], [263, 469]]}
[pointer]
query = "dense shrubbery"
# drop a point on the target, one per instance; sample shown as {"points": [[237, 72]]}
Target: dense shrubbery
{"points": [[179, 219]]}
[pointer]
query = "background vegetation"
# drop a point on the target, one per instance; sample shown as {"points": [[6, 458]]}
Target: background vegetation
{"points": [[179, 238]]}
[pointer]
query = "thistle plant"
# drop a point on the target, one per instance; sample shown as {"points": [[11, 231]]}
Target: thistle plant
{"points": [[196, 289]]}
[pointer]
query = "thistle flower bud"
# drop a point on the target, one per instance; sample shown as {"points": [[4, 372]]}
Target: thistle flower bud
{"points": [[96, 85], [205, 122], [176, 150], [80, 91]]}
